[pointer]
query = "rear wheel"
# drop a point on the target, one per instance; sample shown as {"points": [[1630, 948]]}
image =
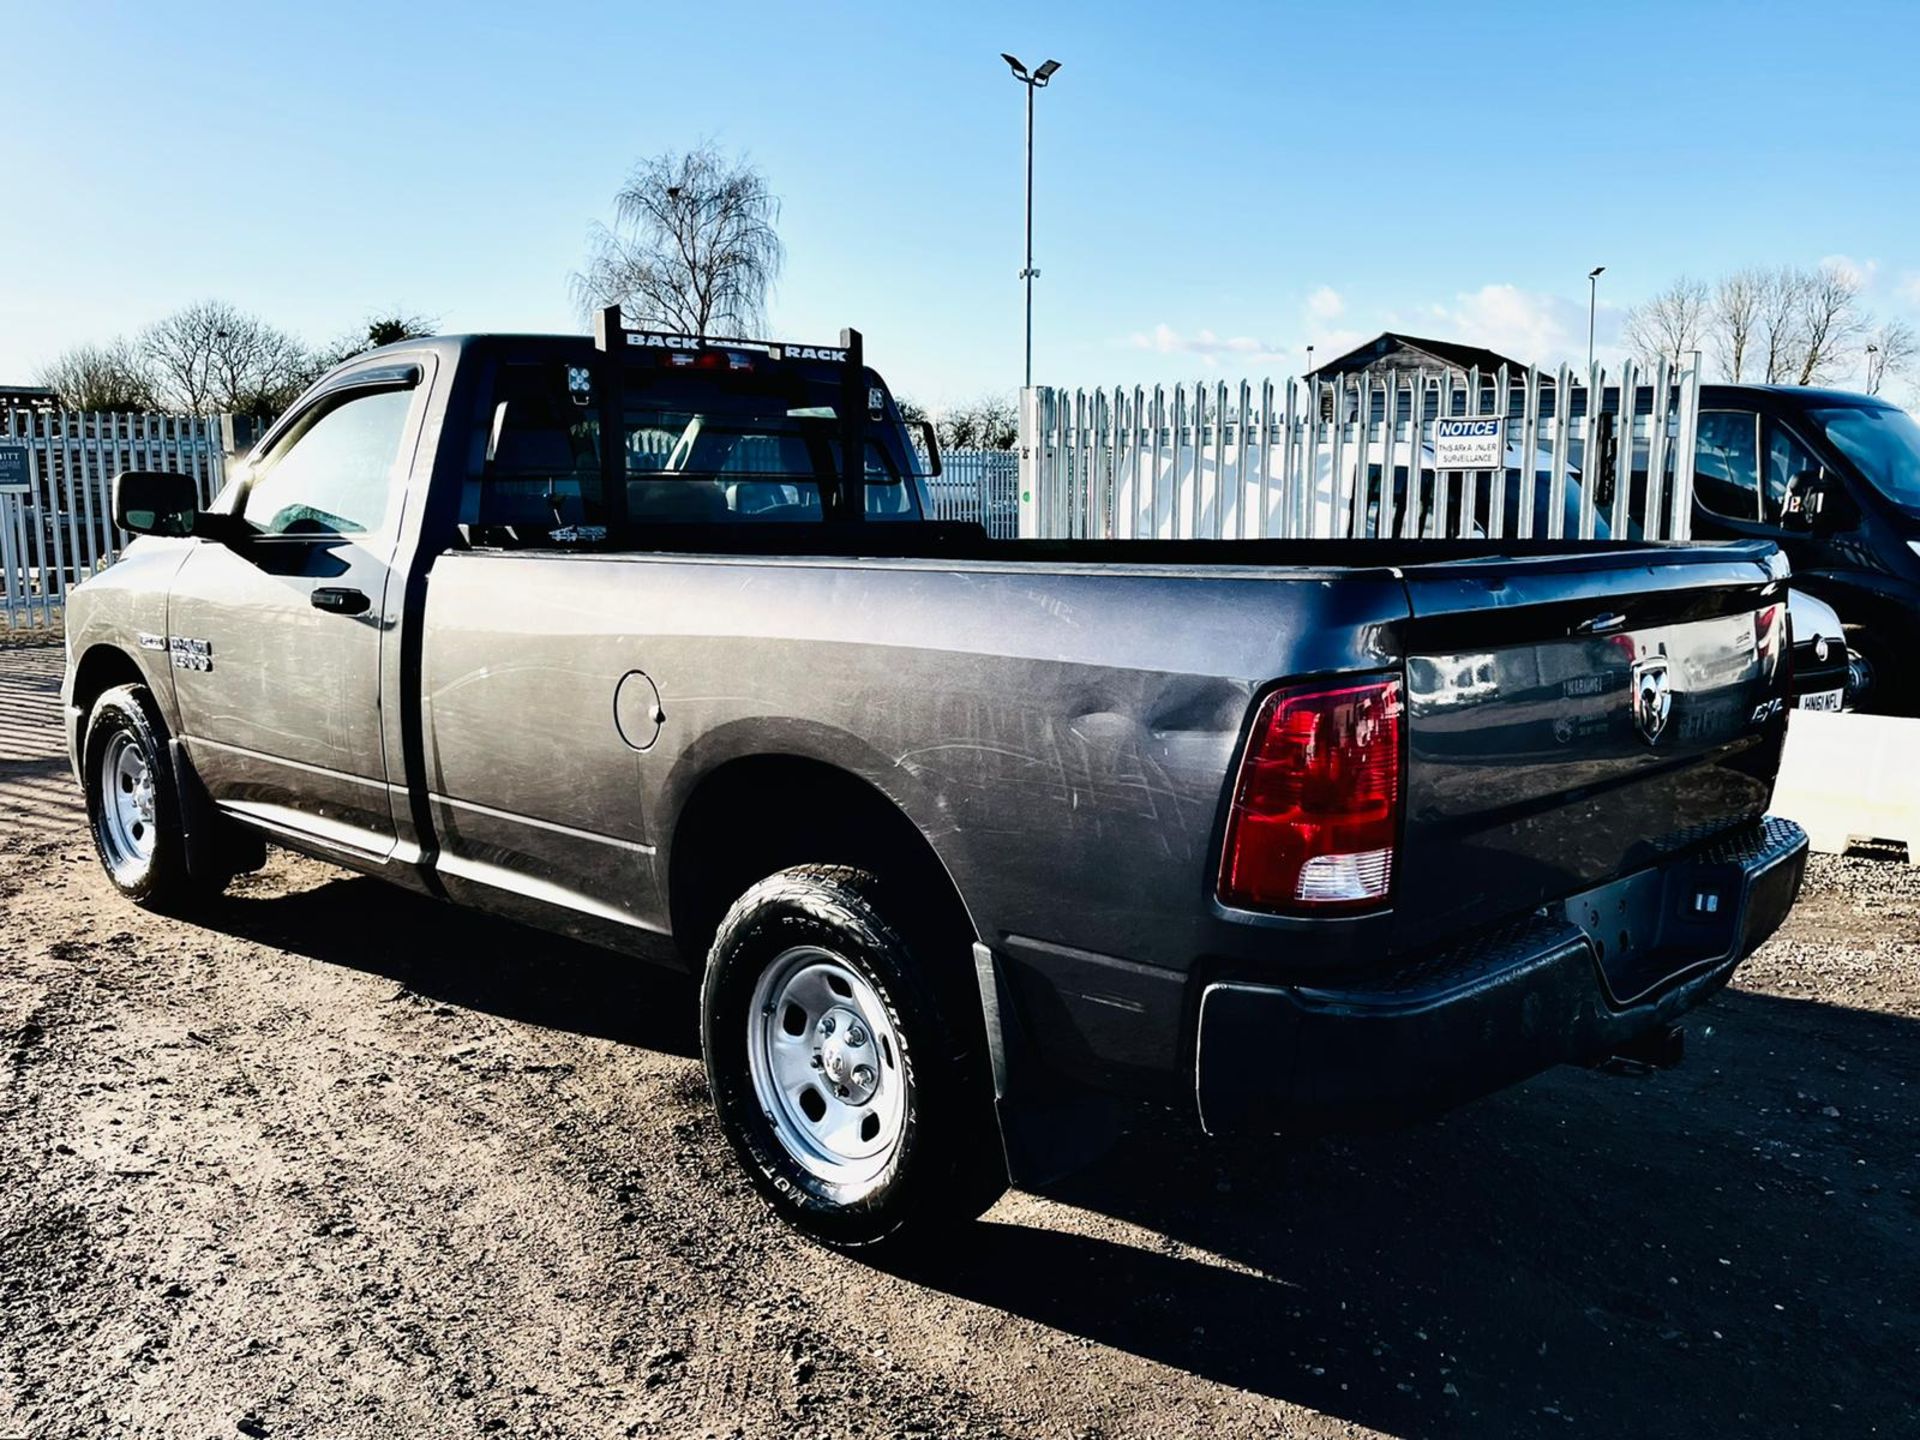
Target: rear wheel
{"points": [[133, 802], [854, 1092]]}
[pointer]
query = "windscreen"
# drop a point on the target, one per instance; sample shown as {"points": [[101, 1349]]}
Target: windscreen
{"points": [[1883, 443]]}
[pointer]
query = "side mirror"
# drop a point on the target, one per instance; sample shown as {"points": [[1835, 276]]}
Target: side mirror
{"points": [[1805, 504], [155, 502], [933, 448]]}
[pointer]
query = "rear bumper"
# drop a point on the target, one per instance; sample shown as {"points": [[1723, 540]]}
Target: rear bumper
{"points": [[1506, 1004]]}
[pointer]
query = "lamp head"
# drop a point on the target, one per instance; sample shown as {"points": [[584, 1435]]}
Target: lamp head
{"points": [[1045, 72], [1019, 70]]}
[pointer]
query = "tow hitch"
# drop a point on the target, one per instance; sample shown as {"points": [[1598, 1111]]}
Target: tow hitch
{"points": [[1661, 1048]]}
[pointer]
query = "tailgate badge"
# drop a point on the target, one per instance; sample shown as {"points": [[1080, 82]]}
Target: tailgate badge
{"points": [[1652, 697]]}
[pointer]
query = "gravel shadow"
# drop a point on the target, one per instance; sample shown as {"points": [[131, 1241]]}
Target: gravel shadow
{"points": [[474, 961], [1729, 1247]]}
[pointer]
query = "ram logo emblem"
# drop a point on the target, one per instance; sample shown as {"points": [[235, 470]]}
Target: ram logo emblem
{"points": [[1652, 697]]}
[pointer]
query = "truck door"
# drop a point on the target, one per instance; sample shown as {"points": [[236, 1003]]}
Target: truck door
{"points": [[277, 635]]}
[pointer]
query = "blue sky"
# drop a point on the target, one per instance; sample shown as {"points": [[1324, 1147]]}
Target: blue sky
{"points": [[1218, 185]]}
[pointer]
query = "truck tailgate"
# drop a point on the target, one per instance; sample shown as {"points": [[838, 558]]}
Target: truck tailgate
{"points": [[1573, 718]]}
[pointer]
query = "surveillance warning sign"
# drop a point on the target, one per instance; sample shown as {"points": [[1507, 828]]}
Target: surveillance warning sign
{"points": [[1470, 444]]}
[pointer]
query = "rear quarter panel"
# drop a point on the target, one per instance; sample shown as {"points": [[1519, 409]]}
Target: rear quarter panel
{"points": [[1062, 736]]}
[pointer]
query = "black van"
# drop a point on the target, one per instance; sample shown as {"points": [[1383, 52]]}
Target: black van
{"points": [[1835, 478]]}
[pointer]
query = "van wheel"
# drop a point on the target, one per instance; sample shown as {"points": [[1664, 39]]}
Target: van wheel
{"points": [[1888, 690], [133, 802], [849, 1091]]}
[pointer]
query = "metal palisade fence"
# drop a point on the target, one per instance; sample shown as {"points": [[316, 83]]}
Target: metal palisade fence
{"points": [[56, 483], [1367, 455], [982, 486]]}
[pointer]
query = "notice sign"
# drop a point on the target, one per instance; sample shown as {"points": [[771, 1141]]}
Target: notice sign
{"points": [[1470, 444], [13, 469]]}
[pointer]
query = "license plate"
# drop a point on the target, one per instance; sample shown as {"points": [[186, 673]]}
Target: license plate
{"points": [[1822, 700]]}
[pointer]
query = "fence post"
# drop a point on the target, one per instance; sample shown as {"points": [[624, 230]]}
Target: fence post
{"points": [[1684, 448], [1029, 463]]}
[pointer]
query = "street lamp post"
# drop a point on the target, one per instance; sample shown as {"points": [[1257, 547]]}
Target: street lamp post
{"points": [[1035, 80], [1593, 295]]}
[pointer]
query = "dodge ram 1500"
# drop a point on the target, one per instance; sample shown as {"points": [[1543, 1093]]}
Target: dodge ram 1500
{"points": [[650, 640]]}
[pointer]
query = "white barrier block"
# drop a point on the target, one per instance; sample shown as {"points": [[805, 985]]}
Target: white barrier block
{"points": [[1851, 777]]}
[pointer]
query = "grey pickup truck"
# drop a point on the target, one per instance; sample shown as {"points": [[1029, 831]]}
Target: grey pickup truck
{"points": [[972, 843]]}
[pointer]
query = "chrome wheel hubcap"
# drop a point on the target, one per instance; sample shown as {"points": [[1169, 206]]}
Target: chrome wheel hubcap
{"points": [[826, 1069], [126, 807]]}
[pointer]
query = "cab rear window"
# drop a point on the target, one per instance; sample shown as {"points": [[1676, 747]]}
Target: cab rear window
{"points": [[692, 450]]}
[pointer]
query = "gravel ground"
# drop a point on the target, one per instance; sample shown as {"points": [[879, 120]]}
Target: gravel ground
{"points": [[261, 1177]]}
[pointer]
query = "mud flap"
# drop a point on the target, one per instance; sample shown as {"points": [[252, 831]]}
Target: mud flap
{"points": [[1050, 1125], [216, 848]]}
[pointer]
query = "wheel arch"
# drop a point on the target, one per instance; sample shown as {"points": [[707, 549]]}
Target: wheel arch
{"points": [[100, 667], [754, 814]]}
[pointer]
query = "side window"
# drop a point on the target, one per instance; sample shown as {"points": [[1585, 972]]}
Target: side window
{"points": [[1726, 464], [333, 475], [1786, 458]]}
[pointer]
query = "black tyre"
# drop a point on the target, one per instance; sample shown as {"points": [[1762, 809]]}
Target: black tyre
{"points": [[1890, 690], [852, 1086], [133, 802]]}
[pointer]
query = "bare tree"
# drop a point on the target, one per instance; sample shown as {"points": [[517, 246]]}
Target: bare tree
{"points": [[212, 357], [1735, 319], [1891, 350], [693, 246], [1670, 324], [1780, 309], [1830, 320], [113, 376]]}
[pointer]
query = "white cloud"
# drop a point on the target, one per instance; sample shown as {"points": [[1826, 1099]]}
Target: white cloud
{"points": [[1861, 272], [1326, 303], [1210, 347], [1909, 287], [1534, 328]]}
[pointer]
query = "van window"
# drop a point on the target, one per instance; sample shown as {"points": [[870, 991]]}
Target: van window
{"points": [[1884, 443], [1786, 458], [1726, 464]]}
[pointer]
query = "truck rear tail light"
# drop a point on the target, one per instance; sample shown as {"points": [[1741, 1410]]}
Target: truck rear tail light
{"points": [[1769, 634], [1316, 806]]}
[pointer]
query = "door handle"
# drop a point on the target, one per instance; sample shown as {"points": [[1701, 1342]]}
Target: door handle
{"points": [[340, 600]]}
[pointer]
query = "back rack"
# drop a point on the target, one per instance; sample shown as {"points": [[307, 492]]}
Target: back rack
{"points": [[610, 334], [849, 500]]}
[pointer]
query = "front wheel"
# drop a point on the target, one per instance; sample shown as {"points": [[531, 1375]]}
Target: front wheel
{"points": [[856, 1099], [133, 803]]}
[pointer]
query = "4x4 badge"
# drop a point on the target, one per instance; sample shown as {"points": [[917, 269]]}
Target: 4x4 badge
{"points": [[1652, 697]]}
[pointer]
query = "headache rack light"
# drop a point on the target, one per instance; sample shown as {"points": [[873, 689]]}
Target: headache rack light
{"points": [[611, 335]]}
